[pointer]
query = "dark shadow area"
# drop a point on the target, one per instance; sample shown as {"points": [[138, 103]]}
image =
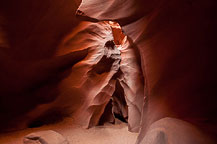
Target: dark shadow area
{"points": [[120, 108], [52, 116], [104, 65]]}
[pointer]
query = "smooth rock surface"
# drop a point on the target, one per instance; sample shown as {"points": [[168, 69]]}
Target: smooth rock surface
{"points": [[176, 41], [63, 67], [45, 137], [174, 131]]}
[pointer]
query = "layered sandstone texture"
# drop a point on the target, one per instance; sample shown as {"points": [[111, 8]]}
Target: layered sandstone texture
{"points": [[176, 41], [61, 66], [71, 59]]}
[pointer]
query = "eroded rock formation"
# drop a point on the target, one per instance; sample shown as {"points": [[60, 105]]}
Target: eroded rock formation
{"points": [[30, 72], [177, 47], [93, 70], [56, 66]]}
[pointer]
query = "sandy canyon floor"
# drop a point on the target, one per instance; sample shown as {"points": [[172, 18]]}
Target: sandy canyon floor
{"points": [[75, 134]]}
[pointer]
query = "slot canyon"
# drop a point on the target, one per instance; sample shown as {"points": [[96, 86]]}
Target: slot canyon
{"points": [[108, 72]]}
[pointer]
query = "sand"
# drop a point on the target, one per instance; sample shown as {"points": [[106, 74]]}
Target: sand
{"points": [[75, 134]]}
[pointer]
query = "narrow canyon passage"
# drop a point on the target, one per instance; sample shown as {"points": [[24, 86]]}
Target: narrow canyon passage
{"points": [[104, 86], [106, 76], [108, 71]]}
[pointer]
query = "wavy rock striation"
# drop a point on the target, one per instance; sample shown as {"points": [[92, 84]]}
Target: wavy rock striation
{"points": [[93, 71], [176, 43], [87, 75]]}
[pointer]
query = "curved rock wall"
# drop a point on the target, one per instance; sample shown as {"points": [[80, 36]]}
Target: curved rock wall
{"points": [[177, 47], [42, 74], [30, 70], [58, 66]]}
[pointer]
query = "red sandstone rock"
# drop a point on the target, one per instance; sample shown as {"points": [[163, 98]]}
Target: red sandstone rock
{"points": [[177, 47], [69, 85], [176, 41], [30, 71]]}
